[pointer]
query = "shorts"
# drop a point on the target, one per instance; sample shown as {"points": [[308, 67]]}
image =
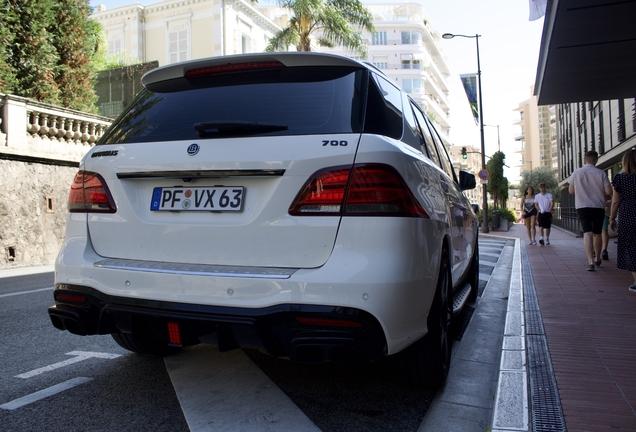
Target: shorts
{"points": [[545, 220], [606, 223], [591, 219], [532, 212]]}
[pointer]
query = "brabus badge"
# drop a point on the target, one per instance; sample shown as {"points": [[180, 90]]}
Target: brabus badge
{"points": [[193, 149]]}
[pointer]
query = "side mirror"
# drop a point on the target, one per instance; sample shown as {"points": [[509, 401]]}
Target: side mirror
{"points": [[467, 180]]}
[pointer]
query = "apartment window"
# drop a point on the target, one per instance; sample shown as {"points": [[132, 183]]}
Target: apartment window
{"points": [[178, 43], [411, 38], [115, 42], [408, 63], [621, 120], [413, 85], [378, 38], [381, 62], [245, 44]]}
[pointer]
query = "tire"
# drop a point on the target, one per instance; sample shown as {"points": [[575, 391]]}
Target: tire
{"points": [[473, 275], [149, 347], [429, 358]]}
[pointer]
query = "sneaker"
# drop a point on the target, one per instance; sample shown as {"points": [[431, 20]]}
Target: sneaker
{"points": [[534, 242], [547, 241], [590, 267], [605, 255], [541, 242], [598, 263], [632, 288]]}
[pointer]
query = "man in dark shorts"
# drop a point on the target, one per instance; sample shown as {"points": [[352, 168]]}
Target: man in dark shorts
{"points": [[591, 187], [544, 202]]}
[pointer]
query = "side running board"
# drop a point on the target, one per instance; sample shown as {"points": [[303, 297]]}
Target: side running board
{"points": [[460, 298]]}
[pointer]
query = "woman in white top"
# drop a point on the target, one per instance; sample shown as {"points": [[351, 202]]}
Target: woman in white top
{"points": [[529, 214]]}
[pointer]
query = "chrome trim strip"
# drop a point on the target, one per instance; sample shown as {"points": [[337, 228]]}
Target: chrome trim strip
{"points": [[196, 269], [202, 174]]}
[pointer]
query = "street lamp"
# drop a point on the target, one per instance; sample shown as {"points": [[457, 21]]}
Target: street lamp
{"points": [[484, 225]]}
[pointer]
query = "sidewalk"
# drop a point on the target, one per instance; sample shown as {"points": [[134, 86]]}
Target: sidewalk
{"points": [[589, 320]]}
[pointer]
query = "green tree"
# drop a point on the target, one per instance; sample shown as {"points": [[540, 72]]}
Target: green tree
{"points": [[46, 51], [335, 21], [28, 50], [497, 183], [542, 174], [77, 40]]}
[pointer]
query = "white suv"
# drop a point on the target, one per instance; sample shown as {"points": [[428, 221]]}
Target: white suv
{"points": [[298, 203]]}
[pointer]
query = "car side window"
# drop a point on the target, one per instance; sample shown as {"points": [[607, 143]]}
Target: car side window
{"points": [[384, 108], [447, 166], [428, 142], [412, 135]]}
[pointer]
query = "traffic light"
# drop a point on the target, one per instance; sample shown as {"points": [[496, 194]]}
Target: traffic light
{"points": [[464, 155]]}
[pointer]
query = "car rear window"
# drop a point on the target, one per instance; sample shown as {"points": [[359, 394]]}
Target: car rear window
{"points": [[302, 100]]}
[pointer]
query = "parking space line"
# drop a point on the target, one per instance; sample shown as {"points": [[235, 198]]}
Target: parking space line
{"points": [[34, 397], [228, 392], [79, 356], [25, 292]]}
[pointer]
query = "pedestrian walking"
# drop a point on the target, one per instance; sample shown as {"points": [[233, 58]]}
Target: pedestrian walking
{"points": [[605, 233], [623, 211], [529, 214], [544, 203], [591, 188]]}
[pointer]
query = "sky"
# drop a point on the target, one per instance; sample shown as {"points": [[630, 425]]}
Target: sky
{"points": [[508, 52]]}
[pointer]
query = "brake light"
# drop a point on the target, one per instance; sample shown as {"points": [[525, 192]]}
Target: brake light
{"points": [[238, 67], [365, 190], [89, 194]]}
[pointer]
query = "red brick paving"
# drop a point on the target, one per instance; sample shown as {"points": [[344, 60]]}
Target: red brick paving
{"points": [[590, 326]]}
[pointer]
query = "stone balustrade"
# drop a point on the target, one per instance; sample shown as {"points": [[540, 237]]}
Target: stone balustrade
{"points": [[40, 130]]}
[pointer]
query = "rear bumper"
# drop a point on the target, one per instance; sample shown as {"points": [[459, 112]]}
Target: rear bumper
{"points": [[304, 333]]}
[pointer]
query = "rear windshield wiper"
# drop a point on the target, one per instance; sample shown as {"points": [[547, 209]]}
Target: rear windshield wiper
{"points": [[235, 127]]}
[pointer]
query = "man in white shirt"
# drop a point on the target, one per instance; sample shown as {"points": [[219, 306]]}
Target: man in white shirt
{"points": [[544, 202], [591, 188]]}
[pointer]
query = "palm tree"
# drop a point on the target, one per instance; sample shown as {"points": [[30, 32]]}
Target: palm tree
{"points": [[333, 20]]}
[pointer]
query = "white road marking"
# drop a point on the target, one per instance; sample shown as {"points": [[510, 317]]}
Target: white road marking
{"points": [[228, 392], [25, 292], [34, 397], [79, 356]]}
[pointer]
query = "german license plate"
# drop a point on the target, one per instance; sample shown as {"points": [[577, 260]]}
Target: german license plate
{"points": [[217, 198]]}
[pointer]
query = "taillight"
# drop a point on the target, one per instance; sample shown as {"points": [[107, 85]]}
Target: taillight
{"points": [[365, 190], [89, 194], [236, 67]]}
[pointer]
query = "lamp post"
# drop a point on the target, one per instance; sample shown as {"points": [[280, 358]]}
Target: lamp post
{"points": [[484, 225]]}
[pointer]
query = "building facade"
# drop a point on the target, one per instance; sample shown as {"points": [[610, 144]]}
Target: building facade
{"points": [[407, 49], [172, 31], [537, 137]]}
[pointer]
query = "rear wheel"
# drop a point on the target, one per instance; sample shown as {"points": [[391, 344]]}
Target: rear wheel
{"points": [[151, 347], [429, 358], [473, 275]]}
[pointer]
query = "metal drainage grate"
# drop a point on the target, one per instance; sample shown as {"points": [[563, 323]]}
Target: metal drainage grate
{"points": [[547, 414]]}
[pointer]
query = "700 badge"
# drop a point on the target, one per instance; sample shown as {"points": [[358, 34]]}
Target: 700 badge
{"points": [[334, 143], [217, 198]]}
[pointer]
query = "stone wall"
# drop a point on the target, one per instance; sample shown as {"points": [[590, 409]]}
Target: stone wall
{"points": [[41, 146], [33, 198]]}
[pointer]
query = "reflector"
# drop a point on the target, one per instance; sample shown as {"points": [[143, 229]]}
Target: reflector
{"points": [[174, 334], [67, 297], [328, 322]]}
